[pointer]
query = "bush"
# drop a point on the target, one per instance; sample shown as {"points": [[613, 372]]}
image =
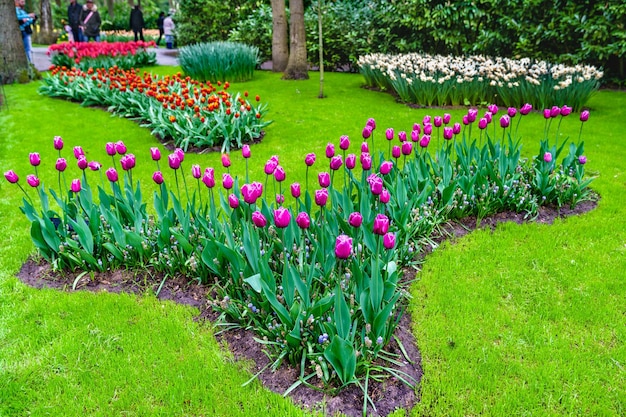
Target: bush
{"points": [[255, 29], [219, 61]]}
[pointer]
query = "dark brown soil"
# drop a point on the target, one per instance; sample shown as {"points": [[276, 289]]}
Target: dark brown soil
{"points": [[387, 395]]}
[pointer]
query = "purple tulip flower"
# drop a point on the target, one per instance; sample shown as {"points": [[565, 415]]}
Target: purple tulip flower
{"points": [[282, 217], [343, 247], [302, 220]]}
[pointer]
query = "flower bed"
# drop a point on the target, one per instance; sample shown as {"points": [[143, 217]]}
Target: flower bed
{"points": [[189, 112], [448, 80], [85, 55], [316, 273]]}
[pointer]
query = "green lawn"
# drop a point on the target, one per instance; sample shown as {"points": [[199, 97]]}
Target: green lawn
{"points": [[524, 320]]}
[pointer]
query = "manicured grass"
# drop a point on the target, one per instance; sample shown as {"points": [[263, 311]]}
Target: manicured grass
{"points": [[524, 320]]}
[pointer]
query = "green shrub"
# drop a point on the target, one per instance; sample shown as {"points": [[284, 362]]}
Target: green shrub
{"points": [[219, 61], [256, 29]]}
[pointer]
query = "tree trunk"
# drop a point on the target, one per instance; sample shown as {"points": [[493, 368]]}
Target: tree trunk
{"points": [[320, 5], [297, 67], [13, 62], [46, 34], [110, 9], [280, 46]]}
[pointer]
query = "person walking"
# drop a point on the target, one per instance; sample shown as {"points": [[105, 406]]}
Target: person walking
{"points": [[25, 20], [90, 21], [136, 22], [160, 20], [73, 19], [168, 29]]}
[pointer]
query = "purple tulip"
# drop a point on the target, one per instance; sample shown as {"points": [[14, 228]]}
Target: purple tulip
{"points": [[111, 174], [471, 115], [336, 162], [493, 109], [505, 121], [386, 167], [155, 153], [488, 116], [547, 157], [376, 184], [245, 151], [456, 128], [174, 161], [208, 178], [225, 160], [94, 165], [437, 121], [61, 164], [252, 192], [282, 217], [511, 111], [389, 133], [233, 201], [389, 240], [526, 108], [396, 152], [407, 148], [366, 161], [34, 159], [381, 224], [227, 181], [75, 186], [196, 172], [11, 176], [584, 115], [157, 177], [324, 179], [355, 219], [330, 150], [447, 133], [350, 161], [367, 132], [180, 154], [279, 173], [426, 120], [446, 118], [365, 148], [120, 148], [546, 113], [295, 190], [482, 123], [280, 199], [415, 135], [32, 180], [344, 142], [417, 128], [402, 136], [78, 152], [371, 123], [424, 141], [58, 143], [582, 159], [302, 220], [428, 129], [343, 247], [555, 111], [466, 120], [321, 197], [384, 196], [82, 163], [309, 159], [270, 166], [128, 162], [110, 148], [259, 219], [566, 111]]}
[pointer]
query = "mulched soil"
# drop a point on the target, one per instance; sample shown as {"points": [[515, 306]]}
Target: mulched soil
{"points": [[387, 395]]}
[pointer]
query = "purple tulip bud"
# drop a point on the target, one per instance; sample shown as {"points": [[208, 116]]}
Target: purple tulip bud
{"points": [[511, 111], [94, 165], [82, 163], [245, 151], [446, 118], [61, 164], [343, 247], [547, 157], [78, 152], [32, 180], [110, 148], [367, 132], [350, 161], [303, 221], [75, 186], [120, 148], [225, 160], [424, 141], [321, 197], [11, 176], [526, 108], [386, 167], [180, 154], [396, 152], [582, 159], [344, 142], [384, 196], [270, 167], [111, 174], [376, 184], [371, 123], [365, 148], [447, 133], [227, 181], [555, 111], [233, 201], [155, 153], [336, 162], [493, 109], [208, 178], [417, 128], [402, 136], [389, 240], [196, 172], [428, 129], [259, 219], [34, 159], [355, 219], [366, 161], [381, 224], [295, 190], [389, 133], [58, 143], [157, 177], [466, 120], [173, 161], [437, 121], [407, 148], [546, 113], [488, 116], [415, 136], [456, 128], [482, 123], [279, 173], [280, 199], [330, 150], [505, 121], [309, 160], [282, 217], [128, 162], [471, 115], [324, 179], [584, 115], [426, 120]]}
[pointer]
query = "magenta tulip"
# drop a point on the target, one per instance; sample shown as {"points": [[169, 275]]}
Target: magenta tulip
{"points": [[157, 177], [344, 142], [367, 132], [302, 220], [437, 121], [252, 192], [547, 157], [426, 120], [120, 148], [389, 133], [526, 108], [32, 180], [343, 247], [376, 184], [389, 240], [57, 142], [447, 133], [396, 152], [259, 219], [350, 161], [309, 159], [173, 161], [555, 111], [110, 148], [227, 181], [94, 165], [466, 120], [61, 164], [456, 128], [225, 160], [11, 176], [355, 219], [381, 224], [366, 161], [233, 201], [324, 179], [128, 162], [402, 136], [330, 150], [386, 167], [446, 118], [208, 178], [415, 135], [336, 162], [417, 128], [471, 115], [34, 159], [493, 109], [282, 217], [245, 151], [180, 154], [428, 129], [295, 190], [407, 148], [75, 186], [482, 123], [584, 115], [270, 166], [280, 199], [111, 174], [82, 162], [384, 196], [279, 173], [424, 141], [371, 123], [78, 152], [321, 197], [488, 116], [365, 148], [505, 121], [196, 172], [546, 113], [155, 153], [511, 111], [566, 111], [582, 159]]}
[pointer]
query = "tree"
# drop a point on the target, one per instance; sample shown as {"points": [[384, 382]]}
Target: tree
{"points": [[297, 67], [14, 60], [46, 34], [280, 47]]}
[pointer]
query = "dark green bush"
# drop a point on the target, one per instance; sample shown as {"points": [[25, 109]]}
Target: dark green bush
{"points": [[219, 61]]}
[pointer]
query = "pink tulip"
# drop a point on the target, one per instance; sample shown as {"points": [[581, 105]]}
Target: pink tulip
{"points": [[407, 148], [437, 121], [196, 172], [75, 186], [466, 120], [417, 128], [82, 162], [350, 161], [547, 157], [279, 174], [371, 123], [173, 161], [493, 109], [384, 196], [471, 115], [111, 174], [180, 154], [309, 160], [456, 128], [355, 219], [447, 133], [295, 190], [584, 115], [426, 120], [526, 108], [233, 201], [321, 197], [366, 161], [505, 121], [343, 247], [402, 136], [376, 184], [365, 148], [336, 162], [546, 113], [482, 123], [94, 165], [61, 164], [324, 179], [389, 240], [330, 150], [227, 181], [280, 199], [555, 111], [110, 148], [344, 142], [511, 111], [32, 180], [270, 166], [424, 141], [446, 118], [11, 176], [282, 217], [128, 162], [120, 148], [415, 135], [582, 159], [251, 192], [58, 143], [367, 132], [303, 221], [428, 129], [78, 152], [259, 219], [245, 151], [488, 116], [389, 133], [157, 177], [381, 224], [396, 152], [386, 167], [34, 159], [208, 178], [225, 160], [155, 153]]}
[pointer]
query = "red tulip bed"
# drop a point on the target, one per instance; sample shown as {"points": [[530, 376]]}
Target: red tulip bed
{"points": [[189, 112], [85, 55], [313, 268]]}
